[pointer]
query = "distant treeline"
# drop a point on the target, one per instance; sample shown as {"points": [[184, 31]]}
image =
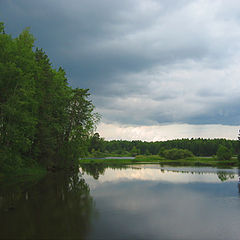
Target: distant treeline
{"points": [[43, 121], [199, 146]]}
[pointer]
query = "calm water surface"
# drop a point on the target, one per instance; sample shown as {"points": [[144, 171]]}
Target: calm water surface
{"points": [[134, 202]]}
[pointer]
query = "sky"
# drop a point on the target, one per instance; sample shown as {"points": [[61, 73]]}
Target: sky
{"points": [[156, 69]]}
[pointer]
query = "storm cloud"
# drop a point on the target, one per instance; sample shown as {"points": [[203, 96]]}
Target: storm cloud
{"points": [[146, 62]]}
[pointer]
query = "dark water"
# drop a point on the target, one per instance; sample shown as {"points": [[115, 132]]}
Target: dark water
{"points": [[135, 202]]}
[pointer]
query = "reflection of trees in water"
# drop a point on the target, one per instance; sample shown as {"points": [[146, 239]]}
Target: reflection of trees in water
{"points": [[97, 169], [59, 206], [239, 178], [223, 176]]}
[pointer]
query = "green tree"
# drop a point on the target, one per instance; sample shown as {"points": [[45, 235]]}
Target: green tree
{"points": [[175, 153], [97, 143], [134, 152], [53, 96], [80, 124], [223, 153], [161, 151], [17, 103]]}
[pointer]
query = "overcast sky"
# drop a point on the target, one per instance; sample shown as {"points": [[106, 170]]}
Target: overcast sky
{"points": [[156, 69]]}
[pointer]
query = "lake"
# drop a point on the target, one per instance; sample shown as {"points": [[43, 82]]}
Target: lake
{"points": [[128, 202]]}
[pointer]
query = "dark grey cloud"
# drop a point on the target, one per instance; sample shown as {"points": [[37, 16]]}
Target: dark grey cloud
{"points": [[146, 62]]}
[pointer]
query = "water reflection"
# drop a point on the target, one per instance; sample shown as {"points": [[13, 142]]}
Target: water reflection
{"points": [[239, 179], [103, 174], [59, 206], [95, 170], [223, 176], [128, 202], [148, 202]]}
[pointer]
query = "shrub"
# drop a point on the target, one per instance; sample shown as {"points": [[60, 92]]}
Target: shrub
{"points": [[161, 151], [175, 153], [223, 153]]}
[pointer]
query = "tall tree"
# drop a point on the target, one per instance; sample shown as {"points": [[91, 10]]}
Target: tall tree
{"points": [[52, 95], [17, 103], [81, 122]]}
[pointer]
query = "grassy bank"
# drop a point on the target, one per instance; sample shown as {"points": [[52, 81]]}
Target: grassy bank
{"points": [[193, 161], [23, 174]]}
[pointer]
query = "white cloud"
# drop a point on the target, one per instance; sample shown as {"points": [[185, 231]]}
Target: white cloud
{"points": [[188, 92], [166, 132]]}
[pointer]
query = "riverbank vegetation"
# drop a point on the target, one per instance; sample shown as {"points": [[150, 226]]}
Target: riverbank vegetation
{"points": [[192, 152], [44, 123], [199, 147], [153, 159]]}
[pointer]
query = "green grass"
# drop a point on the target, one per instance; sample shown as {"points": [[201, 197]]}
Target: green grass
{"points": [[23, 175], [106, 161], [193, 161]]}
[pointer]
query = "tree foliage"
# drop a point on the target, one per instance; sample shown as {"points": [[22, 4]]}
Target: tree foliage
{"points": [[42, 119], [223, 153], [199, 146], [175, 153]]}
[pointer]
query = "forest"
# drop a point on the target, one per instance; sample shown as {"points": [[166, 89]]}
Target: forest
{"points": [[43, 121], [199, 147]]}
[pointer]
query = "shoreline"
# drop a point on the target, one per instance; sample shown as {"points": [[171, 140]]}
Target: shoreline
{"points": [[193, 161]]}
